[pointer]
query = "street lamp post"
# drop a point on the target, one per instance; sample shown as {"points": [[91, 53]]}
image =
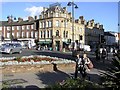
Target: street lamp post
{"points": [[73, 6], [118, 36], [11, 18]]}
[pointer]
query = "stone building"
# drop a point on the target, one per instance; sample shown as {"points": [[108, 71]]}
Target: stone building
{"points": [[55, 27], [93, 32]]}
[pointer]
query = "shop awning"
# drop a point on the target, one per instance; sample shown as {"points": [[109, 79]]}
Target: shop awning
{"points": [[44, 42]]}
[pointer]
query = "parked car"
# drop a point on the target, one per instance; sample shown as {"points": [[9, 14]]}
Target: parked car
{"points": [[11, 48]]}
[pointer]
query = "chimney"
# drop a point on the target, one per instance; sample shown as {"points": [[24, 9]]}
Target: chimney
{"points": [[35, 17], [64, 8], [97, 25], [20, 19], [76, 21], [81, 18], [70, 14], [101, 26], [30, 18], [40, 16]]}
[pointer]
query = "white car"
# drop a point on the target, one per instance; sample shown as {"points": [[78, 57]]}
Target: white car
{"points": [[87, 48], [11, 48]]}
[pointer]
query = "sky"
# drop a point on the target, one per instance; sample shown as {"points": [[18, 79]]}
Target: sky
{"points": [[105, 13]]}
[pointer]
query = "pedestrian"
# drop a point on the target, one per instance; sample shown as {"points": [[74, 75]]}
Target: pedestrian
{"points": [[97, 52], [81, 65], [104, 55]]}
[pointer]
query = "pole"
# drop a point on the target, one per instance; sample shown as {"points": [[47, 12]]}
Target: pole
{"points": [[73, 23], [11, 29]]}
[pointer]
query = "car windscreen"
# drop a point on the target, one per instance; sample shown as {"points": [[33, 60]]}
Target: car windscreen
{"points": [[7, 45]]}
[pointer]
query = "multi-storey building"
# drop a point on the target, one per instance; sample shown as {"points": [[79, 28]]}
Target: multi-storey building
{"points": [[93, 32], [22, 30], [55, 27]]}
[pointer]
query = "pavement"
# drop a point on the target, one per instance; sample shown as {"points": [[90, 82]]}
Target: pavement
{"points": [[43, 79]]}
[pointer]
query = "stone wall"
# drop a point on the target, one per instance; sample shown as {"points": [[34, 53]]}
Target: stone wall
{"points": [[35, 68]]}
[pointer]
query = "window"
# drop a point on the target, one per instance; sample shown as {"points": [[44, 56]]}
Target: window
{"points": [[48, 14], [50, 24], [66, 23], [47, 23], [32, 34], [8, 28], [36, 34], [57, 23], [80, 29], [18, 27], [41, 34], [23, 27], [57, 14], [44, 34], [13, 35], [57, 33], [43, 25], [71, 27], [18, 34], [65, 15], [27, 34], [80, 37], [40, 24], [28, 27], [32, 26], [8, 35], [64, 34], [48, 34], [13, 27], [22, 34]]}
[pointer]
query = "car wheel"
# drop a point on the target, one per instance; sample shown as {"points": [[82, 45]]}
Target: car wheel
{"points": [[20, 51], [11, 51]]}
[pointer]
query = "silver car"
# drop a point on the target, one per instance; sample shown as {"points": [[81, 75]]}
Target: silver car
{"points": [[11, 48]]}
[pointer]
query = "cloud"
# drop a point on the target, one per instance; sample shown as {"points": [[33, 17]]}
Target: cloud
{"points": [[34, 11]]}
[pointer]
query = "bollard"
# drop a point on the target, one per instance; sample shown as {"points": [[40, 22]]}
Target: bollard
{"points": [[54, 67]]}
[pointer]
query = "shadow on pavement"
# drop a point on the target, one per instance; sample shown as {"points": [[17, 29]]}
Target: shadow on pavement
{"points": [[50, 78], [98, 64]]}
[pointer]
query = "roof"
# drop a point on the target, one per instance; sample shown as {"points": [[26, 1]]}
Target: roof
{"points": [[16, 23], [108, 34]]}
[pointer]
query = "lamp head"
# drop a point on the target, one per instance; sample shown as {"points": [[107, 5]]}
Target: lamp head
{"points": [[76, 6], [69, 4]]}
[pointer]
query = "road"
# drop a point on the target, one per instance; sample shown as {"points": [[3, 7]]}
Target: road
{"points": [[27, 52], [42, 79]]}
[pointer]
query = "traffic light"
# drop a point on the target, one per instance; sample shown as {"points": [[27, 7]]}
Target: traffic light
{"points": [[102, 39]]}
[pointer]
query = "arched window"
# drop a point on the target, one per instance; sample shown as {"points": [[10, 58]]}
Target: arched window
{"points": [[66, 34], [57, 33]]}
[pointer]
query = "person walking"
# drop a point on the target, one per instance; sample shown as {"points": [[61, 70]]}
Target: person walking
{"points": [[97, 53], [81, 65], [104, 55]]}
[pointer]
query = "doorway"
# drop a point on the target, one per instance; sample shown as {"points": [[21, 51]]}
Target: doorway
{"points": [[57, 45]]}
